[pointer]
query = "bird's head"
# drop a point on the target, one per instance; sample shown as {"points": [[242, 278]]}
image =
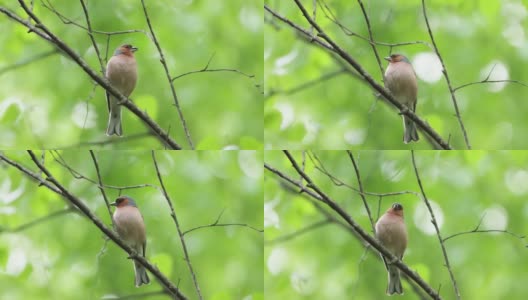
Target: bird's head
{"points": [[394, 58], [396, 209], [125, 49], [123, 201]]}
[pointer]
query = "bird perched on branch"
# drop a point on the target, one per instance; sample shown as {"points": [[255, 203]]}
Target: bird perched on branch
{"points": [[400, 79], [121, 71], [131, 228], [392, 234]]}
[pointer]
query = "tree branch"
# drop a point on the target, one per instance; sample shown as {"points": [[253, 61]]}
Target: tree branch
{"points": [[180, 234], [435, 224], [166, 68], [444, 70], [218, 224]]}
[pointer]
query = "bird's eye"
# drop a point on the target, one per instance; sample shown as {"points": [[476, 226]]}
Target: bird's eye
{"points": [[397, 206]]}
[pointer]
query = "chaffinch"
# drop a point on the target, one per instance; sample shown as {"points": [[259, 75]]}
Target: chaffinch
{"points": [[400, 79], [131, 228], [121, 71], [392, 233]]}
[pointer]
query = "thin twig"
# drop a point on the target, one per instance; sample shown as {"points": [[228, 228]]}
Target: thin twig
{"points": [[108, 140], [100, 181], [297, 233], [308, 84], [166, 68], [330, 15], [206, 69], [435, 224], [90, 33], [289, 184], [28, 61], [478, 230], [39, 220], [362, 195], [145, 295], [68, 21], [486, 80], [78, 175], [446, 76], [318, 164], [175, 219], [371, 36], [218, 224], [306, 33]]}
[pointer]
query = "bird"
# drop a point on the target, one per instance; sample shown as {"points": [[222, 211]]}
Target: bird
{"points": [[392, 234], [401, 81], [129, 224], [121, 72]]}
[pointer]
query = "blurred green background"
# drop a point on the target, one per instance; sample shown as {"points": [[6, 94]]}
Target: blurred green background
{"points": [[464, 188], [51, 103], [342, 112], [67, 257]]}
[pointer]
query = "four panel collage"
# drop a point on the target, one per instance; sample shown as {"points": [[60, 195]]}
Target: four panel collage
{"points": [[263, 149]]}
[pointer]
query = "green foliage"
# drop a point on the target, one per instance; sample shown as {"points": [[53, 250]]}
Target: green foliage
{"points": [[465, 188], [51, 103], [67, 257]]}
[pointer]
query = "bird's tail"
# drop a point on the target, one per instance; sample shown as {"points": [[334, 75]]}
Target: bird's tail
{"points": [[394, 286], [141, 274], [114, 121], [409, 130]]}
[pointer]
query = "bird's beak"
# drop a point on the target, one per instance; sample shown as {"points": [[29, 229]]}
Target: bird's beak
{"points": [[113, 204], [387, 58], [134, 49]]}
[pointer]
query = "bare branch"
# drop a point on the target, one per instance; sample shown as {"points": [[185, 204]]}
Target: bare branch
{"points": [[68, 21], [318, 164], [358, 177], [309, 84], [108, 140], [175, 219], [218, 224], [435, 224], [139, 295], [39, 220], [87, 17], [486, 80], [306, 33], [28, 61], [100, 181], [163, 62], [371, 36], [297, 233], [446, 76], [478, 230]]}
